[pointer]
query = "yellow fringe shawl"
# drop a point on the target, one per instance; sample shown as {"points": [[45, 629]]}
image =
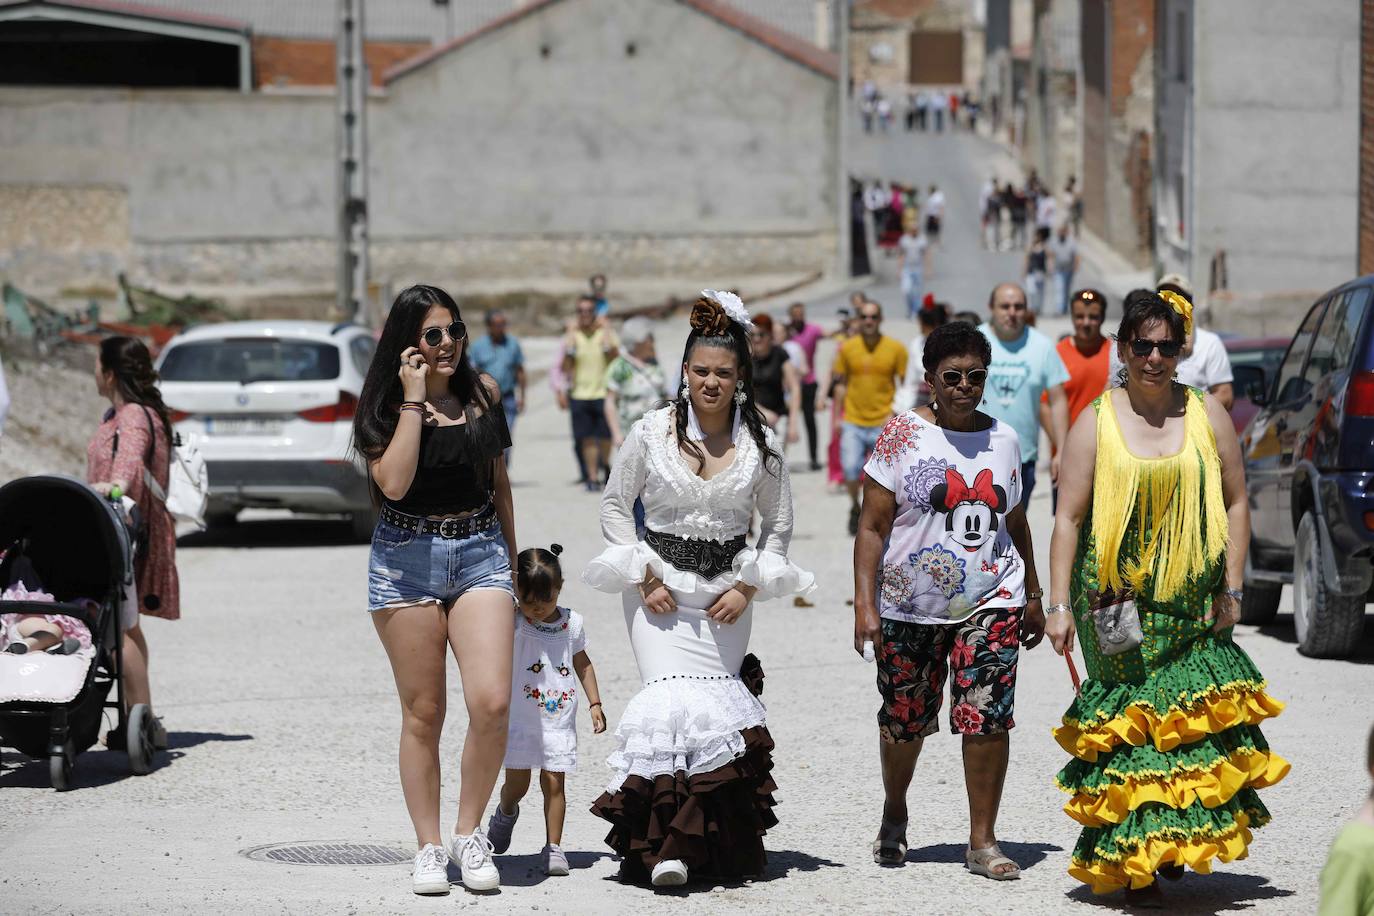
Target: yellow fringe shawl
{"points": [[1177, 498]]}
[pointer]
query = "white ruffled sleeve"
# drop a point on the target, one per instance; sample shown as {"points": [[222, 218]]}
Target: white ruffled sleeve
{"points": [[765, 565], [621, 564]]}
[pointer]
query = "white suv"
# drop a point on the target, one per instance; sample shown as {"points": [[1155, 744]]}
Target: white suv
{"points": [[272, 405]]}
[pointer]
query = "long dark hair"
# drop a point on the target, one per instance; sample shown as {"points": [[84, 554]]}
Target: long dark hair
{"points": [[711, 327], [379, 405], [134, 377]]}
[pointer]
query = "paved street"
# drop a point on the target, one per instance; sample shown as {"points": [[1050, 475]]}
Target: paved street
{"points": [[283, 721]]}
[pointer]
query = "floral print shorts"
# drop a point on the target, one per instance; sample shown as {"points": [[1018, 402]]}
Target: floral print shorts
{"points": [[980, 655]]}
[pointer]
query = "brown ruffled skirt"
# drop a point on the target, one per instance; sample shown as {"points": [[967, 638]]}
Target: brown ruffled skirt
{"points": [[714, 822]]}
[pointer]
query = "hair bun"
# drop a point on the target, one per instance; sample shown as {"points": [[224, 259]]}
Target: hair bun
{"points": [[555, 549], [709, 318]]}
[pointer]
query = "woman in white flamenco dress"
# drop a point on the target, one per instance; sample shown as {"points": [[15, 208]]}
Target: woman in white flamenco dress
{"points": [[692, 791]]}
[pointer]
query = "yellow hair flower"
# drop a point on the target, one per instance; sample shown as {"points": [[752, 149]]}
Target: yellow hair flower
{"points": [[1180, 305]]}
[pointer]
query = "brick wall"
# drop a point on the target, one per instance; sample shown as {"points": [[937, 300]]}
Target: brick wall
{"points": [[310, 62], [1366, 244], [1133, 36]]}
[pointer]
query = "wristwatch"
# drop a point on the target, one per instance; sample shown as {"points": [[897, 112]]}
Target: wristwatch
{"points": [[1034, 595]]}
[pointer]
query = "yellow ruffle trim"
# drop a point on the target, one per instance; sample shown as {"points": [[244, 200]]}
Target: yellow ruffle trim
{"points": [[1216, 712], [1137, 869], [1243, 769]]}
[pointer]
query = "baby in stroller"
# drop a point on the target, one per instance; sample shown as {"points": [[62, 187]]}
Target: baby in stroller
{"points": [[56, 634]]}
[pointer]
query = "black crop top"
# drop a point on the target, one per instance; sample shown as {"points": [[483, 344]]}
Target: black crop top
{"points": [[447, 480]]}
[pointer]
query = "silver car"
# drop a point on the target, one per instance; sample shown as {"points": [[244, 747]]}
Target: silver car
{"points": [[271, 404]]}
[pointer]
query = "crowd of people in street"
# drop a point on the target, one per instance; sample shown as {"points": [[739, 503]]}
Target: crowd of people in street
{"points": [[923, 109], [936, 444]]}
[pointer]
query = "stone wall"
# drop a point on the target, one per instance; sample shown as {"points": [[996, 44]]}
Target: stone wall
{"points": [[591, 135]]}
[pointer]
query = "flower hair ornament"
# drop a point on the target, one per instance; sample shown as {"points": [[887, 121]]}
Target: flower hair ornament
{"points": [[1181, 306], [715, 308]]}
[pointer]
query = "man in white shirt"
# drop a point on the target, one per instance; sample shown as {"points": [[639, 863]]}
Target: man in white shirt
{"points": [[934, 210]]}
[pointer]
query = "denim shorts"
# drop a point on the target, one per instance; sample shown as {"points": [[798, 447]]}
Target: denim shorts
{"points": [[406, 568], [856, 444]]}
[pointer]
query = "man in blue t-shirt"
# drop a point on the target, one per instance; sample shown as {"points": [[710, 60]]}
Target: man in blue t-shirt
{"points": [[499, 355], [1024, 364]]}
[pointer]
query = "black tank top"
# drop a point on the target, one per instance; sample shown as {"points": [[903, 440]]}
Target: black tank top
{"points": [[449, 477], [768, 380], [1036, 261]]}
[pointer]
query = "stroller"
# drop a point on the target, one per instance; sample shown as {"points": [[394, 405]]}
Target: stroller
{"points": [[78, 544]]}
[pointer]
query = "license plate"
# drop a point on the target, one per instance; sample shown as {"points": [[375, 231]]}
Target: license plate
{"points": [[243, 426]]}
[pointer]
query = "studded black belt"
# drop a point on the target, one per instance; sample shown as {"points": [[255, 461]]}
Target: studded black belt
{"points": [[444, 527], [705, 558]]}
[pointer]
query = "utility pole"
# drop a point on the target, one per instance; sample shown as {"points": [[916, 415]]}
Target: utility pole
{"points": [[840, 32], [351, 83]]}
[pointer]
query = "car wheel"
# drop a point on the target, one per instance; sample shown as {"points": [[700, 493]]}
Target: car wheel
{"points": [[219, 519], [1260, 602], [1328, 624], [362, 524]]}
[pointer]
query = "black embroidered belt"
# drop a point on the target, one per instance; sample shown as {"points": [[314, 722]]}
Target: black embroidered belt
{"points": [[705, 558], [445, 527]]}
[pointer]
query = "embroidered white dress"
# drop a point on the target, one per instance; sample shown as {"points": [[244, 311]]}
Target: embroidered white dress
{"points": [[688, 718], [543, 695]]}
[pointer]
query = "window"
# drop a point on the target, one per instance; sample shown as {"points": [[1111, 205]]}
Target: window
{"points": [[251, 359], [1333, 349], [361, 350], [1181, 46], [1291, 384]]}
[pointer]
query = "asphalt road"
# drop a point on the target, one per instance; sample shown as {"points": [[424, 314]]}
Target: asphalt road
{"points": [[283, 723]]}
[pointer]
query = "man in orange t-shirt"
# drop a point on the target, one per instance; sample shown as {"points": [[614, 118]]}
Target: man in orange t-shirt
{"points": [[1087, 356]]}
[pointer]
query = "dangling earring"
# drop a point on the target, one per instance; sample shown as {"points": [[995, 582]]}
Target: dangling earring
{"points": [[682, 395], [740, 397]]}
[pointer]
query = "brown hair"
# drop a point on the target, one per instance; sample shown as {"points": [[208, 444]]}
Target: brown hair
{"points": [[134, 377], [538, 574]]}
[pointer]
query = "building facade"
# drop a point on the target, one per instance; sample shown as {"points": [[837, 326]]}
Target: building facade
{"points": [[676, 139], [1116, 40], [1257, 152]]}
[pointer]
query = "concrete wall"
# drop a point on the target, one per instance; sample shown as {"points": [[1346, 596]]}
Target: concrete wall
{"points": [[1276, 92], [703, 151]]}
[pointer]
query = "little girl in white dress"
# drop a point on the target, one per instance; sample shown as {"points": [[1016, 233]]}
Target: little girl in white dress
{"points": [[550, 647]]}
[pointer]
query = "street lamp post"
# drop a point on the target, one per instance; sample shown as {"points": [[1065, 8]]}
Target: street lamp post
{"points": [[841, 33], [351, 159]]}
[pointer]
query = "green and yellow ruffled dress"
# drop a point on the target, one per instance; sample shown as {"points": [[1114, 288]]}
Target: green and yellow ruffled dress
{"points": [[1165, 737]]}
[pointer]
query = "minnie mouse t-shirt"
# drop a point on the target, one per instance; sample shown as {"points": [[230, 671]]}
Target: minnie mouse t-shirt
{"points": [[949, 554]]}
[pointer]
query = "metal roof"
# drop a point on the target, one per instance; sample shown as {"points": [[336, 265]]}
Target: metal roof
{"points": [[422, 20]]}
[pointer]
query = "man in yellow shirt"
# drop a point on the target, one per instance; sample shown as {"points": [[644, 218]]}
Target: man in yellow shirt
{"points": [[588, 349], [867, 372]]}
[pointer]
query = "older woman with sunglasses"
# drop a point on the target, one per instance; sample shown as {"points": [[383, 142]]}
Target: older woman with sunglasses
{"points": [[1147, 558], [944, 578], [432, 431]]}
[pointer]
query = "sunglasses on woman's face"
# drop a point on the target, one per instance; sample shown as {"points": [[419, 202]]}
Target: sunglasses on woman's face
{"points": [[1167, 348], [952, 377], [435, 336]]}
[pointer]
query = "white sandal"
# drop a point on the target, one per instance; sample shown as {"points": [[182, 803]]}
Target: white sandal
{"points": [[985, 861]]}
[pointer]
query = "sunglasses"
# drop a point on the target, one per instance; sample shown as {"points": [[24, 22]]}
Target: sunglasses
{"points": [[952, 377], [1167, 348], [435, 336]]}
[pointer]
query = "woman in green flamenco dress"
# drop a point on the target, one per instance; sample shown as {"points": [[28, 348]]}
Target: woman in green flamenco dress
{"points": [[1146, 561]]}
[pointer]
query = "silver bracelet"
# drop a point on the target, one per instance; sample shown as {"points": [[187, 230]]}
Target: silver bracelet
{"points": [[1236, 593], [1058, 609]]}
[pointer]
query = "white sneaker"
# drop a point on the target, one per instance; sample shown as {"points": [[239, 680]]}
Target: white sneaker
{"points": [[431, 871], [669, 873], [472, 853], [555, 863]]}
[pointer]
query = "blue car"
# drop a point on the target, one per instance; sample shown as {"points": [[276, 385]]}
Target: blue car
{"points": [[1309, 467]]}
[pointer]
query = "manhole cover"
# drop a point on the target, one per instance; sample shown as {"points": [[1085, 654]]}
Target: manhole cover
{"points": [[328, 854]]}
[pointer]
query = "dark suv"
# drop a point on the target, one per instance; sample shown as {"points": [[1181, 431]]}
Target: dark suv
{"points": [[1309, 467]]}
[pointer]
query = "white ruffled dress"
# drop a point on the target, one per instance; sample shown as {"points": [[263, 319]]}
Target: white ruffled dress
{"points": [[688, 718]]}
